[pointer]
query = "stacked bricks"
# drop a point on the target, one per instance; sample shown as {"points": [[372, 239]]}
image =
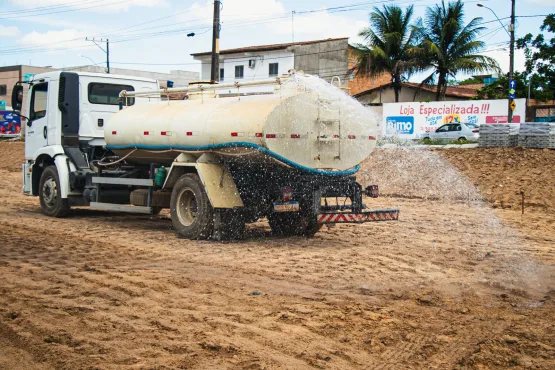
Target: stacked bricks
{"points": [[537, 135], [498, 135]]}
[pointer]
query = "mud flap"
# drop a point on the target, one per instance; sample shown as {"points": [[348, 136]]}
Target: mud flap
{"points": [[216, 179], [64, 168]]}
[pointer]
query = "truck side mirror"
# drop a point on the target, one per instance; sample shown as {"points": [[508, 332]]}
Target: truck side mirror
{"points": [[17, 97]]}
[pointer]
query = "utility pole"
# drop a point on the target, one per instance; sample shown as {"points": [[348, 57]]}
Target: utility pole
{"points": [[106, 51], [512, 61], [107, 56], [293, 26], [215, 73]]}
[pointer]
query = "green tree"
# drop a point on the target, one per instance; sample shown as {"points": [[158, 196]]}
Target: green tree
{"points": [[470, 81], [449, 46], [500, 88], [389, 40], [540, 60]]}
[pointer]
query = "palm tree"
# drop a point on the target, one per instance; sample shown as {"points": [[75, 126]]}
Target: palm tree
{"points": [[451, 47], [389, 40]]}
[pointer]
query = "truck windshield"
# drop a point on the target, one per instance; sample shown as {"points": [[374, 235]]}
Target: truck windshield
{"points": [[108, 94]]}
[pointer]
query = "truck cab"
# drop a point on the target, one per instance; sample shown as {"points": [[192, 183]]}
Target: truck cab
{"points": [[64, 127]]}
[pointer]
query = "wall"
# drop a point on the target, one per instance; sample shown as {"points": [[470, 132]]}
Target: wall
{"points": [[10, 75], [325, 59], [406, 95], [179, 77]]}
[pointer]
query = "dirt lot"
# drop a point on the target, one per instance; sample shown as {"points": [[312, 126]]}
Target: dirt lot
{"points": [[453, 284]]}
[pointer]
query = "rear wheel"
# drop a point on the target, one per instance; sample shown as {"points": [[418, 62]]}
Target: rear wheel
{"points": [[293, 224], [50, 194], [191, 212]]}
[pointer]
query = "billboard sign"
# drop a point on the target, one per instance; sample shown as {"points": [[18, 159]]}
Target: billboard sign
{"points": [[10, 124], [412, 120]]}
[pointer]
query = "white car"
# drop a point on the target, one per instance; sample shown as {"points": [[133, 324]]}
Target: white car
{"points": [[454, 131]]}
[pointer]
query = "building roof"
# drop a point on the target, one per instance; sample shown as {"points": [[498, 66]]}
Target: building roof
{"points": [[267, 47], [454, 91]]}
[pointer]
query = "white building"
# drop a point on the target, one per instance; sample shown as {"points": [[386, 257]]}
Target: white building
{"points": [[325, 58]]}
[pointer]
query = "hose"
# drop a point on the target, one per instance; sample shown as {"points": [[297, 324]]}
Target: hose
{"points": [[239, 144], [119, 160]]}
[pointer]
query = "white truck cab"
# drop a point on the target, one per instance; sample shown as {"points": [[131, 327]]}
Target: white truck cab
{"points": [[67, 112]]}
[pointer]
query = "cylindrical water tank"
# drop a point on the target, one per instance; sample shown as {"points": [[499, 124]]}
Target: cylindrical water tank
{"points": [[300, 129]]}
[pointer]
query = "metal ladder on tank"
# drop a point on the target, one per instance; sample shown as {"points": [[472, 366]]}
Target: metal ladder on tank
{"points": [[328, 122]]}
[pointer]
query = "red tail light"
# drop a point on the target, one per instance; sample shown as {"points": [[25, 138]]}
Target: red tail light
{"points": [[287, 194], [372, 191], [475, 131]]}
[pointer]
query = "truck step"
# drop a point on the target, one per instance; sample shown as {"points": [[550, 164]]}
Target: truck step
{"points": [[121, 208], [122, 181]]}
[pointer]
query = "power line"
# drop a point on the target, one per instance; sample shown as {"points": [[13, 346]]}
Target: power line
{"points": [[70, 10]]}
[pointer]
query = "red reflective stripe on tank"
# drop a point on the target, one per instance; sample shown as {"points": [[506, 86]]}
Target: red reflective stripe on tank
{"points": [[295, 136], [114, 132], [258, 134], [270, 136], [351, 136], [371, 138], [236, 134], [336, 136], [166, 133], [146, 133], [189, 133]]}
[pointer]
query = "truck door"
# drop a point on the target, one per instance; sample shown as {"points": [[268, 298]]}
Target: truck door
{"points": [[36, 130]]}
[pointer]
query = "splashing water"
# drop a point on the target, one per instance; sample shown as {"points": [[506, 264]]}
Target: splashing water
{"points": [[422, 175]]}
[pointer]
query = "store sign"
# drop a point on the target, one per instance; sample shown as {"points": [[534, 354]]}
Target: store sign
{"points": [[412, 120], [10, 124]]}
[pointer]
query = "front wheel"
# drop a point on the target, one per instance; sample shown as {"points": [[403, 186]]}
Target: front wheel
{"points": [[191, 212], [50, 194]]}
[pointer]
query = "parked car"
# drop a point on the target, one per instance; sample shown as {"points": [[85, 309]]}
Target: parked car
{"points": [[454, 131]]}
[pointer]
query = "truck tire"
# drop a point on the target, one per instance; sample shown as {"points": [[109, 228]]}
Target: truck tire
{"points": [[50, 194], [191, 212], [293, 224]]}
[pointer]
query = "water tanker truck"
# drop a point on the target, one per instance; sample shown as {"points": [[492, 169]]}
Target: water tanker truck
{"points": [[120, 143]]}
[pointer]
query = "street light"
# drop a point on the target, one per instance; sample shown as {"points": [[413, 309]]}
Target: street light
{"points": [[94, 64], [480, 5], [511, 33]]}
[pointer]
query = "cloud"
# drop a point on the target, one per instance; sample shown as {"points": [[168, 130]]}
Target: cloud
{"points": [[53, 41], [545, 3], [502, 57], [101, 6], [8, 31], [270, 20]]}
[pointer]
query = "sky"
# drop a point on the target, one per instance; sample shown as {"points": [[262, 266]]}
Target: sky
{"points": [[152, 34]]}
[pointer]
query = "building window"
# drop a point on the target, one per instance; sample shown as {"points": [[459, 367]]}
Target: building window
{"points": [[3, 90], [38, 101], [222, 76], [239, 71], [108, 94], [273, 69]]}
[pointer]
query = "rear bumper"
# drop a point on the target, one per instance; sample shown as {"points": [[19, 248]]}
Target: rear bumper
{"points": [[358, 218]]}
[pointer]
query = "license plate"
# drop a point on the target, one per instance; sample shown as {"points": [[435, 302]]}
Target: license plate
{"points": [[286, 207]]}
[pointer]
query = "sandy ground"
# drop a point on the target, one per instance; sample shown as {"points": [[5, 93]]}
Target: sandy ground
{"points": [[453, 284]]}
